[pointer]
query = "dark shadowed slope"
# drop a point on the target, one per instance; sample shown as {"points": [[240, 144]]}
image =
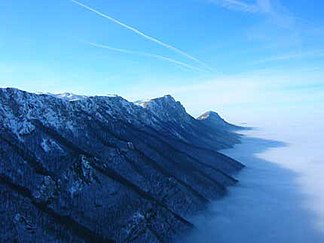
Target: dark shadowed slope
{"points": [[76, 168]]}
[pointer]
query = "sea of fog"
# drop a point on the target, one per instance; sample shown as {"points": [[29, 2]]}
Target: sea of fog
{"points": [[280, 196]]}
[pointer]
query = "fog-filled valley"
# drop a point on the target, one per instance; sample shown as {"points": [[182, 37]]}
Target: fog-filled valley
{"points": [[280, 196]]}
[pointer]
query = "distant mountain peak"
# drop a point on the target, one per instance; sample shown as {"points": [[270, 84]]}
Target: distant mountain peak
{"points": [[210, 115], [212, 118]]}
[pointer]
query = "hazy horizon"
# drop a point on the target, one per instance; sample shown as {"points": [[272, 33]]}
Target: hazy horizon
{"points": [[235, 57], [279, 197]]}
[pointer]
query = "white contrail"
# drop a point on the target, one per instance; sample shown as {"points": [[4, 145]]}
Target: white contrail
{"points": [[148, 37], [131, 52]]}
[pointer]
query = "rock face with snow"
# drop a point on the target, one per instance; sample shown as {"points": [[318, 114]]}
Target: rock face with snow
{"points": [[213, 119], [77, 168]]}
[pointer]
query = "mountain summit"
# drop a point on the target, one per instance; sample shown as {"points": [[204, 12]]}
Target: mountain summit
{"points": [[166, 108], [212, 118]]}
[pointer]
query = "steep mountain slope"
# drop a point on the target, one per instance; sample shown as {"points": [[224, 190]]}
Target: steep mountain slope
{"points": [[76, 168]]}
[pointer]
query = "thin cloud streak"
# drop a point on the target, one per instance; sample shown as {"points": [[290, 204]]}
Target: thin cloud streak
{"points": [[265, 7], [278, 27], [237, 5], [293, 56], [146, 54], [145, 36]]}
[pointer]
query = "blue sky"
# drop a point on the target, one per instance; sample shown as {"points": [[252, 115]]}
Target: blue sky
{"points": [[210, 54]]}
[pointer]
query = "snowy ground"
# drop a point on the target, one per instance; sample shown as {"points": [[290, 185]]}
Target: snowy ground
{"points": [[280, 197]]}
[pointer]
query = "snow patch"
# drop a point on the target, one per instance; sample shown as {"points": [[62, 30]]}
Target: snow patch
{"points": [[49, 145]]}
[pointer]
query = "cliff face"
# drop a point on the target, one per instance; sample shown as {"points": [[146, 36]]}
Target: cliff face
{"points": [[102, 168]]}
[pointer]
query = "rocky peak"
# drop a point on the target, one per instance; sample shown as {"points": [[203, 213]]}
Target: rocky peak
{"points": [[212, 118], [166, 108], [211, 115]]}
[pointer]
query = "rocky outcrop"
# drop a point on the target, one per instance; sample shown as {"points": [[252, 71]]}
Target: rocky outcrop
{"points": [[103, 169]]}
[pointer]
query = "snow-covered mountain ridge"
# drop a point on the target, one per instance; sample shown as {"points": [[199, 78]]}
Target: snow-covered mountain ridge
{"points": [[78, 168]]}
